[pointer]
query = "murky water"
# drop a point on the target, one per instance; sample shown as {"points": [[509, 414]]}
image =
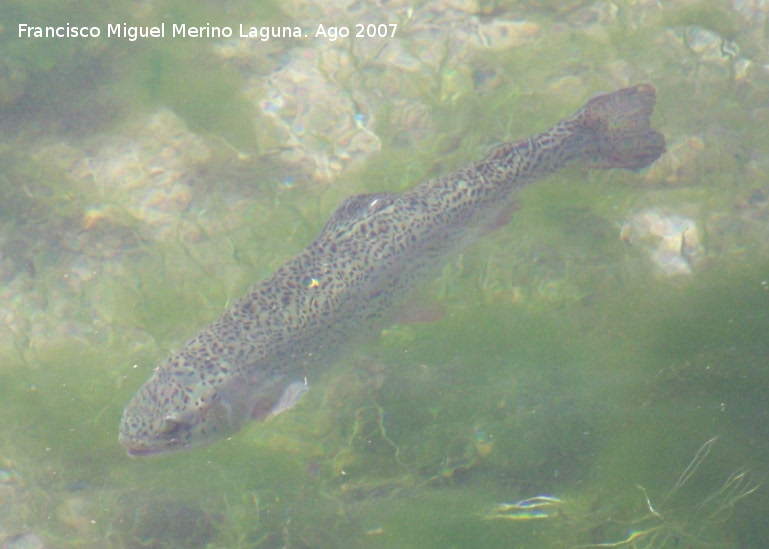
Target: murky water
{"points": [[598, 379]]}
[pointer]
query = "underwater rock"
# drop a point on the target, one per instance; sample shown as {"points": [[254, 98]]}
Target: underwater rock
{"points": [[672, 241]]}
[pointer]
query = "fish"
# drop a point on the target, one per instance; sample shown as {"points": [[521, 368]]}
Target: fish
{"points": [[361, 271]]}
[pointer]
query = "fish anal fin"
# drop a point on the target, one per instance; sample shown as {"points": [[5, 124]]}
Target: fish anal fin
{"points": [[500, 218]]}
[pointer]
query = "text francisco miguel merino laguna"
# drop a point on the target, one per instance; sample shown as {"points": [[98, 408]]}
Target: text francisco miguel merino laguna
{"points": [[122, 30]]}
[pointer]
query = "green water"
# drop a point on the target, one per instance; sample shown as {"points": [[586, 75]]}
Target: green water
{"points": [[566, 365]]}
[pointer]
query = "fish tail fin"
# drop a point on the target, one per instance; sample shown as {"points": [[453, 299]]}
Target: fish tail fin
{"points": [[614, 129]]}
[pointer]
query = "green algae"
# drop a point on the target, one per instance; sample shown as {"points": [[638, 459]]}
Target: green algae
{"points": [[170, 77]]}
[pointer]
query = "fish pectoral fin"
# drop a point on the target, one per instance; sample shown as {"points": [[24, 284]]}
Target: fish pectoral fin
{"points": [[291, 395]]}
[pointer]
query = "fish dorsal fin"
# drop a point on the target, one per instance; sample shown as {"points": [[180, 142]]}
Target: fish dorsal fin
{"points": [[355, 209]]}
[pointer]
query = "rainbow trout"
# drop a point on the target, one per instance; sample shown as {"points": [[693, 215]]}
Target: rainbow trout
{"points": [[255, 359]]}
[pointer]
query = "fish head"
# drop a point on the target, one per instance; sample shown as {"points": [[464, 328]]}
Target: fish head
{"points": [[168, 415], [185, 404]]}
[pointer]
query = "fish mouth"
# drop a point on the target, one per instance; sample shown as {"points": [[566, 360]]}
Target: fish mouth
{"points": [[136, 449], [141, 452]]}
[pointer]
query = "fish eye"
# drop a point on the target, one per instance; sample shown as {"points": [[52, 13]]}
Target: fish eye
{"points": [[171, 426]]}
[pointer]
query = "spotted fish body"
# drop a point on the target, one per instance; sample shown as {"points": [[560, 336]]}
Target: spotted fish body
{"points": [[256, 358]]}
